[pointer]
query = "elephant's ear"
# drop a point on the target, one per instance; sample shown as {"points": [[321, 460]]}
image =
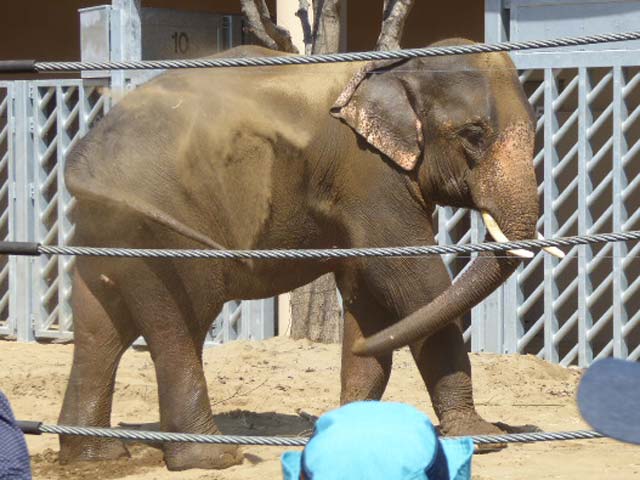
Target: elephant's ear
{"points": [[377, 107]]}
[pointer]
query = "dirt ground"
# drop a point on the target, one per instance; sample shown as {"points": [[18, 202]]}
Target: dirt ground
{"points": [[272, 387]]}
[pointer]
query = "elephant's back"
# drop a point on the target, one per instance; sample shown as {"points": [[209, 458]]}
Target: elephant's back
{"points": [[212, 147]]}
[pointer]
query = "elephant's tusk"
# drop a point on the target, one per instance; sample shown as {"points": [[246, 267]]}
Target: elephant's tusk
{"points": [[556, 252], [499, 236]]}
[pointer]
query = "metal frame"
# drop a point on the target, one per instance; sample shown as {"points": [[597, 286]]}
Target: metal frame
{"points": [[7, 264], [568, 311], [40, 122]]}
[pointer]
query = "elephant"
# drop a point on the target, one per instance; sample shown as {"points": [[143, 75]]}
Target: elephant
{"points": [[333, 155]]}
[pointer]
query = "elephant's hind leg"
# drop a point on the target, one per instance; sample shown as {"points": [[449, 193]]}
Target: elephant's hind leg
{"points": [[102, 332], [174, 318]]}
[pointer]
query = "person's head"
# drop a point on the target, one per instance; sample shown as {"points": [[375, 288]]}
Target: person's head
{"points": [[609, 399], [378, 440]]}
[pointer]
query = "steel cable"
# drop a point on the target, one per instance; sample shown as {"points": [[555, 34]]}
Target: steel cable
{"points": [[148, 436], [316, 254], [335, 58]]}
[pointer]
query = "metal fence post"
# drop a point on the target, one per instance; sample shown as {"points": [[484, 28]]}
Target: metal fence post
{"points": [[620, 316], [258, 319], [22, 286], [585, 288], [126, 39], [550, 222]]}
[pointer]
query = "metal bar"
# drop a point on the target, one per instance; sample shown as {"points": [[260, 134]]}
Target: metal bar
{"points": [[550, 220], [66, 115], [599, 87], [602, 118], [530, 334], [620, 314], [22, 221]]}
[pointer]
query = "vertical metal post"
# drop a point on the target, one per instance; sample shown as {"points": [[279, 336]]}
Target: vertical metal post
{"points": [[7, 136], [496, 24], [512, 328], [126, 39], [550, 221], [620, 249], [477, 312], [22, 284], [257, 319], [585, 187]]}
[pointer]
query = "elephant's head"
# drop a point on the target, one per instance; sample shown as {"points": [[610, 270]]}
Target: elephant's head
{"points": [[463, 129]]}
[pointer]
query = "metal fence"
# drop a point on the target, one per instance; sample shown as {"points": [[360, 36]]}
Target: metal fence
{"points": [[587, 160], [40, 121], [567, 311], [7, 321]]}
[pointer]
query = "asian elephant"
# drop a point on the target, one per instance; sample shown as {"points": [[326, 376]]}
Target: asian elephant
{"points": [[334, 155]]}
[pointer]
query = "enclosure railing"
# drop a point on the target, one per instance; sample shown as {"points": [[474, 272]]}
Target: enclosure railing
{"points": [[40, 122], [569, 311]]}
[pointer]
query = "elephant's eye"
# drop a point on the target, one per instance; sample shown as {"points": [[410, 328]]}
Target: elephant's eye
{"points": [[474, 136]]}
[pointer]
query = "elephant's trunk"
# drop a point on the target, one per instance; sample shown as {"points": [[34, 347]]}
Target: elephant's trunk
{"points": [[508, 192]]}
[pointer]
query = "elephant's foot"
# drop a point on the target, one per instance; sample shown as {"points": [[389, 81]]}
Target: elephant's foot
{"points": [[186, 456], [95, 449], [506, 428], [466, 423], [461, 424]]}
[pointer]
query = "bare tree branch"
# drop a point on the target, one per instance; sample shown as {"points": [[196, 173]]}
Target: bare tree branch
{"points": [[260, 24], [326, 31], [394, 15], [303, 15]]}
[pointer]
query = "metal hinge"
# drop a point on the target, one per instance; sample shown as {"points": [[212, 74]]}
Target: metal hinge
{"points": [[12, 190], [32, 191]]}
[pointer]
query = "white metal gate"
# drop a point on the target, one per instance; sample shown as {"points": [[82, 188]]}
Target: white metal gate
{"points": [[7, 267], [40, 121]]}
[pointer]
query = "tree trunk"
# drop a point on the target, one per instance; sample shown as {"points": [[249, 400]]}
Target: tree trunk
{"points": [[316, 311], [395, 12], [326, 23], [264, 29]]}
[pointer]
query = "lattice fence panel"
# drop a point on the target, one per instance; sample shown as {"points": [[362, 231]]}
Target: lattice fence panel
{"points": [[7, 321], [453, 226], [626, 215], [61, 114], [525, 289], [595, 281], [584, 307]]}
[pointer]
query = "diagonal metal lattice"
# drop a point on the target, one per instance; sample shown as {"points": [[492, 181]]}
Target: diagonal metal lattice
{"points": [[62, 113], [7, 323]]}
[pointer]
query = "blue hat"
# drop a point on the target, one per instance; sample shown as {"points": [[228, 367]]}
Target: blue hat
{"points": [[378, 440], [609, 397]]}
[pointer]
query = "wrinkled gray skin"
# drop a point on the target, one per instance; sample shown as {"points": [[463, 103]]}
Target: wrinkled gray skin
{"points": [[345, 155]]}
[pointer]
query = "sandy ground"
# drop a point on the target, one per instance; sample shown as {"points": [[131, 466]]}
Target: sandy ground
{"points": [[269, 387]]}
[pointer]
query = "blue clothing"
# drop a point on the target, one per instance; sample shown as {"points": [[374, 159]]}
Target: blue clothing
{"points": [[378, 440], [14, 457], [609, 397]]}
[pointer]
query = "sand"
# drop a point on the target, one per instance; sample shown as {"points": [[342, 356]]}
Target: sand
{"points": [[273, 387]]}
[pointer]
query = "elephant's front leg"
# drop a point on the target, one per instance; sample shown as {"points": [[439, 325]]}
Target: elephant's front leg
{"points": [[362, 378], [446, 370]]}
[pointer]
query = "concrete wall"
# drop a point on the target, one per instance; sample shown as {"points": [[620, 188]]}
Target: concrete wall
{"points": [[429, 21], [49, 30]]}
